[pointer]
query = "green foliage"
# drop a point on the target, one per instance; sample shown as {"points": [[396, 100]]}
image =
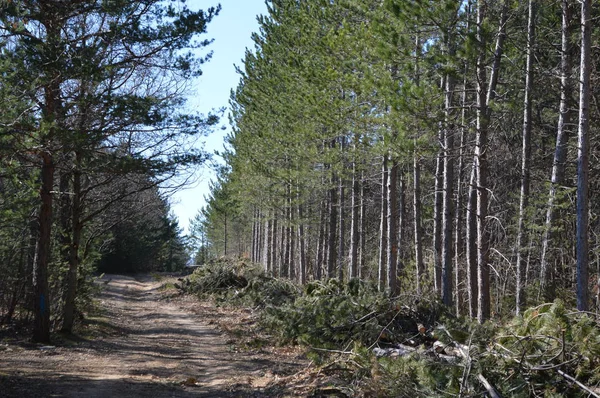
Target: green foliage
{"points": [[240, 282], [216, 277], [519, 357], [546, 338], [333, 314]]}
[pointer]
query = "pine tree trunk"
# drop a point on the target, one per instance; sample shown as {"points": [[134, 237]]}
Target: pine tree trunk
{"points": [[481, 143], [41, 305], [583, 158], [401, 230], [225, 235], [77, 226], [254, 245], [383, 226], [448, 198], [392, 229], [267, 246], [332, 239], [560, 153], [292, 266], [471, 244], [458, 215], [258, 222], [302, 240], [363, 225], [354, 223], [526, 159], [418, 229], [481, 146], [274, 246], [417, 219], [341, 233], [437, 220], [318, 271], [285, 268], [283, 243]]}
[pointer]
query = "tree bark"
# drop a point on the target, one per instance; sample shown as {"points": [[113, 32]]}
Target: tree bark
{"points": [[437, 219], [481, 146], [481, 142], [342, 231], [418, 228], [274, 246], [302, 240], [354, 223], [321, 244], [418, 233], [267, 246], [560, 154], [41, 304], [69, 305], [285, 264], [392, 229], [471, 244], [254, 246], [332, 239], [448, 198], [525, 159], [458, 214], [363, 225], [583, 158], [383, 226]]}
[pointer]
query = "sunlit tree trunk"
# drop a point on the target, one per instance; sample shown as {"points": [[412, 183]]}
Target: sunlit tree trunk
{"points": [[392, 229], [560, 154], [583, 158], [418, 228], [471, 244], [481, 171], [363, 225], [448, 197], [525, 159], [437, 219]]}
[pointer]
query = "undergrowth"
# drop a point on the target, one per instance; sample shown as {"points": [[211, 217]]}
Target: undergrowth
{"points": [[409, 347]]}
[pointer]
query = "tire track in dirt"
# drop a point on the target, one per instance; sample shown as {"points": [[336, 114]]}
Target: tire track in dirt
{"points": [[155, 349]]}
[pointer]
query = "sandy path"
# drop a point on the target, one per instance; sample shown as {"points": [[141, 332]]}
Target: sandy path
{"points": [[156, 349]]}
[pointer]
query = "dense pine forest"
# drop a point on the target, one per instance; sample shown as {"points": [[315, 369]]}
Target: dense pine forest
{"points": [[435, 147], [407, 190]]}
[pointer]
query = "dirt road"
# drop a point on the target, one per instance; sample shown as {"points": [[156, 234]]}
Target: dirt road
{"points": [[154, 348]]}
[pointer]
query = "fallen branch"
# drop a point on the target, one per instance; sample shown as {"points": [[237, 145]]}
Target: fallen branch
{"points": [[488, 386], [579, 384]]}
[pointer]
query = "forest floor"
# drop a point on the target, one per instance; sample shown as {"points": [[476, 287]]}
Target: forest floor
{"points": [[147, 340]]}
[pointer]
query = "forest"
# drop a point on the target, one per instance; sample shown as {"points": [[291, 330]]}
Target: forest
{"points": [[94, 136], [437, 148], [406, 191]]}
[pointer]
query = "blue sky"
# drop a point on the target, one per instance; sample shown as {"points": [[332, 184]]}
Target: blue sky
{"points": [[231, 31]]}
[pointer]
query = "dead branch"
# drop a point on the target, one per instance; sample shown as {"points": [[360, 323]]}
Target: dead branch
{"points": [[579, 384], [488, 386]]}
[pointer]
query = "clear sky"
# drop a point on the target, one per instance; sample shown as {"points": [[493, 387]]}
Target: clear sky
{"points": [[231, 31]]}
